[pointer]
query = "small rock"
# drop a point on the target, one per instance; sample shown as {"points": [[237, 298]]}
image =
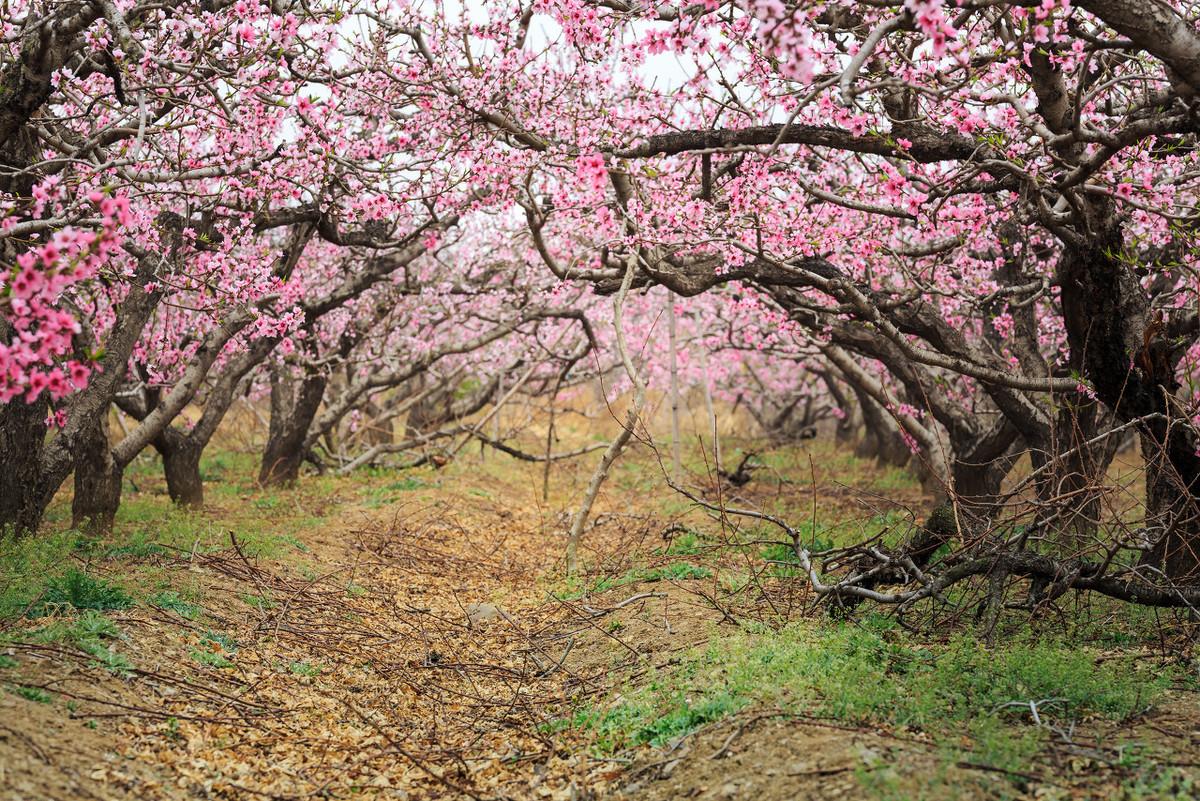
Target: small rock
{"points": [[669, 768], [869, 756], [482, 613]]}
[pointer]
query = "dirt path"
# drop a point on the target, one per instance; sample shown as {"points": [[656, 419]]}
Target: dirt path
{"points": [[411, 637], [410, 655]]}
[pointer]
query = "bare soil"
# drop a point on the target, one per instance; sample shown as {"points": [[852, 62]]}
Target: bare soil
{"points": [[422, 648]]}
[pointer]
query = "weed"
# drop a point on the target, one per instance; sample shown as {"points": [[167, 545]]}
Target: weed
{"points": [[211, 658], [7, 661], [35, 694], [81, 591], [141, 545], [92, 633], [24, 564], [405, 484], [1160, 782], [288, 539], [223, 641], [679, 571], [104, 656], [304, 669], [689, 543], [872, 675], [215, 649], [260, 602], [171, 600]]}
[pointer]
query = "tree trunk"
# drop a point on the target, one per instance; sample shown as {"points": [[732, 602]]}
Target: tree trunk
{"points": [[882, 440], [1172, 508], [712, 414], [1072, 490], [23, 495], [430, 412], [181, 466], [1130, 357], [373, 432], [293, 408], [97, 481]]}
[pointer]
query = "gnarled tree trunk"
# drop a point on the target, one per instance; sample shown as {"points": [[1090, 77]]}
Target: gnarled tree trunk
{"points": [[97, 480], [181, 466], [23, 493], [294, 404], [1130, 356], [881, 436]]}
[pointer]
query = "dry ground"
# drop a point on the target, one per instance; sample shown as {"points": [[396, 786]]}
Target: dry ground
{"points": [[410, 635]]}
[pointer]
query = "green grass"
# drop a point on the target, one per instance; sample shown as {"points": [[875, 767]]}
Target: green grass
{"points": [[25, 562], [213, 659], [877, 675], [76, 589], [304, 669], [689, 542], [262, 603], [90, 632], [171, 600], [678, 571], [215, 650], [150, 527], [377, 496], [574, 588], [35, 694]]}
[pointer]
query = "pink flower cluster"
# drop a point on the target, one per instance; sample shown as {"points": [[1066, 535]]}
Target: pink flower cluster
{"points": [[590, 169], [786, 34], [930, 17], [33, 361]]}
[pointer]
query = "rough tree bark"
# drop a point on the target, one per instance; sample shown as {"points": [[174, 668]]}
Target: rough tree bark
{"points": [[27, 493], [97, 480], [181, 466], [24, 491], [881, 438], [294, 405], [1130, 355]]}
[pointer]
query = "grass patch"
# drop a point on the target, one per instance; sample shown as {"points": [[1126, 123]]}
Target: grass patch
{"points": [[304, 669], [574, 588], [679, 571], [262, 603], [26, 561], [877, 675], [215, 650], [92, 633], [213, 659], [171, 600], [35, 694], [78, 590], [690, 542]]}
